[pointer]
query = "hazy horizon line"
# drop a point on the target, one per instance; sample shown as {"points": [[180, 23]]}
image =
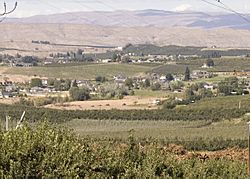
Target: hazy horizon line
{"points": [[127, 10]]}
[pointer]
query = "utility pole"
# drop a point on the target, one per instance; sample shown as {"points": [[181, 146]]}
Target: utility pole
{"points": [[6, 11], [7, 123], [20, 121]]}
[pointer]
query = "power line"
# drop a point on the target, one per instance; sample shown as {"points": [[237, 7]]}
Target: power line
{"points": [[227, 8], [115, 9], [64, 9], [103, 4], [213, 4], [235, 12], [60, 26]]}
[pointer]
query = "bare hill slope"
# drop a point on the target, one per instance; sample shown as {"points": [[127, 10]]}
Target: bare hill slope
{"points": [[19, 36]]}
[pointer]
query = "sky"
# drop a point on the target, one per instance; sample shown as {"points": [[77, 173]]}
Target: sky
{"points": [[28, 8]]}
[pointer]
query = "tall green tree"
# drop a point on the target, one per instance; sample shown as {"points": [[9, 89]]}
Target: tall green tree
{"points": [[79, 94], [101, 79], [169, 77], [209, 62], [147, 83], [187, 74], [36, 82], [229, 85], [129, 83]]}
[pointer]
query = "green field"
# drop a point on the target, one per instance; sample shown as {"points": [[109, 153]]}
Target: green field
{"points": [[81, 71], [174, 69], [221, 64], [215, 79], [185, 130], [225, 102], [90, 71]]}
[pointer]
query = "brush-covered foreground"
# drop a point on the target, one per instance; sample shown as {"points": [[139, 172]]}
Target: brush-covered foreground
{"points": [[49, 152]]}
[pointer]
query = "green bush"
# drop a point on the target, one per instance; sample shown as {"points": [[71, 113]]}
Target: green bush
{"points": [[78, 94], [49, 152]]}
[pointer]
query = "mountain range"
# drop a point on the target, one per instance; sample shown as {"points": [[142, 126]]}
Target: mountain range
{"points": [[119, 28], [142, 18]]}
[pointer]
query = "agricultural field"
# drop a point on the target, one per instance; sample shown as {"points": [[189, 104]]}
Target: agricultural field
{"points": [[90, 71], [80, 72], [149, 93], [221, 64], [223, 102], [99, 145], [129, 102], [214, 80], [161, 130], [174, 68]]}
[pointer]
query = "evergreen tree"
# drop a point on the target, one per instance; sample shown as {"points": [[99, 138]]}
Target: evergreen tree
{"points": [[169, 77], [209, 62], [187, 74]]}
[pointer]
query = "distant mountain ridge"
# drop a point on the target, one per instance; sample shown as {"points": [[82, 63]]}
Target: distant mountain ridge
{"points": [[141, 18]]}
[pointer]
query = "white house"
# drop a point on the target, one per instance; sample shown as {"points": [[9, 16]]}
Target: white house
{"points": [[209, 86], [106, 60], [163, 78]]}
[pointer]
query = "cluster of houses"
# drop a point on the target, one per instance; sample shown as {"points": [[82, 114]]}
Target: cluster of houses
{"points": [[10, 89], [197, 74], [132, 58], [163, 80]]}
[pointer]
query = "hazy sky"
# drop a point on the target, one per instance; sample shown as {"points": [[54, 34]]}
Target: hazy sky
{"points": [[37, 7]]}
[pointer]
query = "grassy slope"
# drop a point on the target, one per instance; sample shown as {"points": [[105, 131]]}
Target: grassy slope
{"points": [[82, 71]]}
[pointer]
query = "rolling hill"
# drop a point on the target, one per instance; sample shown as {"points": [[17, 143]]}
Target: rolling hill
{"points": [[149, 17], [119, 28]]}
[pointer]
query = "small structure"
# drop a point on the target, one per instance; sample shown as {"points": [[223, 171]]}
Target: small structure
{"points": [[7, 95], [163, 78], [106, 61], [119, 48], [208, 86], [36, 90], [120, 79], [201, 74], [156, 102]]}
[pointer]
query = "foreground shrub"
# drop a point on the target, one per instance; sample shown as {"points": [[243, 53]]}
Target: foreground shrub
{"points": [[48, 152]]}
